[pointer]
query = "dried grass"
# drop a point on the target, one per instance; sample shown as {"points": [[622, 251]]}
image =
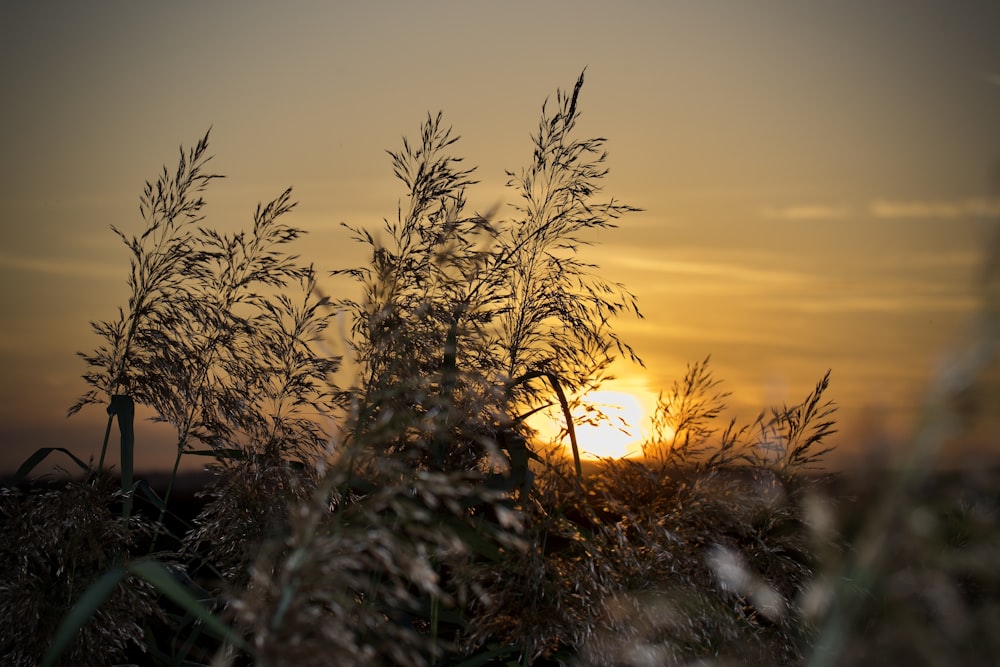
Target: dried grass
{"points": [[57, 543], [425, 526]]}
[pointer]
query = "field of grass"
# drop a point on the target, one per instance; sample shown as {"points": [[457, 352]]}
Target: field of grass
{"points": [[412, 518]]}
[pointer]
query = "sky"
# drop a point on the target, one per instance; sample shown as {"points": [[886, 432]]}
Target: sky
{"points": [[818, 179]]}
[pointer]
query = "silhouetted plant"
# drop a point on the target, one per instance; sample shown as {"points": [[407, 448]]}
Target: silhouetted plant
{"points": [[163, 262], [683, 420], [684, 433], [212, 343], [208, 341], [699, 549], [792, 439], [425, 536], [458, 310]]}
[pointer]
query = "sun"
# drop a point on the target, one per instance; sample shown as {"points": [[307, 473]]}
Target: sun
{"points": [[618, 436]]}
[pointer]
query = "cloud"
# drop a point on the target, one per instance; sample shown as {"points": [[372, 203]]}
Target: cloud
{"points": [[968, 207], [723, 271], [654, 333], [903, 303], [805, 212], [885, 208]]}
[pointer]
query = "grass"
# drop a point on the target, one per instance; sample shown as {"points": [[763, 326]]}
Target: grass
{"points": [[412, 517]]}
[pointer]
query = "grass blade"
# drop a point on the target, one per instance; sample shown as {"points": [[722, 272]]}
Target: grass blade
{"points": [[155, 573], [39, 456], [123, 407], [81, 612]]}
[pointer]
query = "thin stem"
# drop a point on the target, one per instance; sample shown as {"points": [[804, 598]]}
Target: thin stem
{"points": [[570, 429], [166, 494]]}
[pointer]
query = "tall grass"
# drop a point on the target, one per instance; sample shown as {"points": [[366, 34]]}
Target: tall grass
{"points": [[205, 340], [460, 312], [214, 340], [666, 559], [412, 517]]}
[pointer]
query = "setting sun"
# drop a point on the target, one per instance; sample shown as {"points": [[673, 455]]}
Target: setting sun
{"points": [[618, 434]]}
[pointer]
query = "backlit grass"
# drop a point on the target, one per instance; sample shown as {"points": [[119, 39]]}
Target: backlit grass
{"points": [[407, 515]]}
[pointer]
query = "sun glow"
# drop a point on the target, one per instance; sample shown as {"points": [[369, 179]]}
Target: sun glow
{"points": [[618, 434]]}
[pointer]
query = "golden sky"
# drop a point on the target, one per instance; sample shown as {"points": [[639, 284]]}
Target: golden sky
{"points": [[818, 179]]}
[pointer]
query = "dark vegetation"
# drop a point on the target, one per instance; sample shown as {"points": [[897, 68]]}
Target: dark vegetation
{"points": [[410, 517]]}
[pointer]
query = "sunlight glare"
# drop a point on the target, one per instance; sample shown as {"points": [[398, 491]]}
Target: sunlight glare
{"points": [[618, 436]]}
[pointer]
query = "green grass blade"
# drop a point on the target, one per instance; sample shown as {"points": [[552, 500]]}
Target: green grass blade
{"points": [[155, 573], [154, 499], [81, 612], [39, 456], [124, 409]]}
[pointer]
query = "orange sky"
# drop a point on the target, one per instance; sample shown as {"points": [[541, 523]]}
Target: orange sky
{"points": [[816, 177]]}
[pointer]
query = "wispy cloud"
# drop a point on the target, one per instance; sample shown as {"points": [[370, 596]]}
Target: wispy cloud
{"points": [[887, 303], [654, 333], [943, 209], [886, 208], [718, 270], [806, 212]]}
